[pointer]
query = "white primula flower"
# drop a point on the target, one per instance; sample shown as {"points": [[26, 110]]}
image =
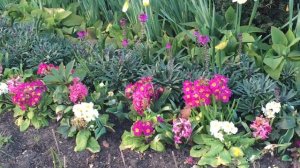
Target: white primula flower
{"points": [[218, 128], [3, 88], [271, 109], [85, 111], [240, 1]]}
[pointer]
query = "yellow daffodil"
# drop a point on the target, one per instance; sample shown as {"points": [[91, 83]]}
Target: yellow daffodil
{"points": [[146, 3], [221, 45], [125, 6], [236, 152], [240, 1]]}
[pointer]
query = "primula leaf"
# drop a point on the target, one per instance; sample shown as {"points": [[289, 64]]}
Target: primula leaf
{"points": [[215, 150], [69, 68], [198, 150], [224, 158], [18, 111], [157, 146], [93, 145], [290, 36], [24, 125], [82, 138], [208, 161]]}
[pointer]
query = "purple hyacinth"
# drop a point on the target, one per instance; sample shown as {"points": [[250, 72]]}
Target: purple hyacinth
{"points": [[202, 39]]}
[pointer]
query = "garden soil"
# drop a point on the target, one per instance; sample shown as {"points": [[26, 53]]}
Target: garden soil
{"points": [[38, 149]]}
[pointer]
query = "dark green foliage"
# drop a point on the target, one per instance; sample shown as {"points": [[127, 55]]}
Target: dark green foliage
{"points": [[253, 93], [23, 46], [117, 67]]}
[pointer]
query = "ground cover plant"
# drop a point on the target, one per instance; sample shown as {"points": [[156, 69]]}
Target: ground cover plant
{"points": [[204, 80]]}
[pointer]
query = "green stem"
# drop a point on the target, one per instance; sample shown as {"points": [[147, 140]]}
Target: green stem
{"points": [[253, 13]]}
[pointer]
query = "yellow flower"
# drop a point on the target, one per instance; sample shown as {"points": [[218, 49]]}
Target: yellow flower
{"points": [[125, 6], [109, 26], [236, 152], [221, 45], [146, 3]]}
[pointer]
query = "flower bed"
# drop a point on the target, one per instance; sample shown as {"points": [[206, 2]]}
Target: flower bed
{"points": [[217, 88]]}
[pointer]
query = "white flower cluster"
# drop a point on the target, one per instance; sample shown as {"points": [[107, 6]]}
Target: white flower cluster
{"points": [[271, 109], [218, 128], [3, 88], [240, 1], [85, 111]]}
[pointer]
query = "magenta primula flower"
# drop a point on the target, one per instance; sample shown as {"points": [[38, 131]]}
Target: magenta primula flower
{"points": [[45, 69], [81, 34], [143, 18], [202, 39], [28, 94], [137, 128], [142, 93], [199, 92], [78, 91], [142, 128], [261, 127], [124, 43], [182, 129]]}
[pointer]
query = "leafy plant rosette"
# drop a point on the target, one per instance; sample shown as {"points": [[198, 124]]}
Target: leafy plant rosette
{"points": [[150, 129], [29, 96], [216, 138], [77, 116]]}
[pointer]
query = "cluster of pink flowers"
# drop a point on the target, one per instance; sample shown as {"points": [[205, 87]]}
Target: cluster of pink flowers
{"points": [[142, 93], [78, 91], [261, 127], [182, 128], [140, 128], [45, 69], [27, 94], [199, 92]]}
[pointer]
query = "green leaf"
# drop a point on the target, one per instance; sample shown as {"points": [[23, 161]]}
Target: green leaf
{"points": [[281, 49], [208, 161], [275, 73], [73, 20], [24, 125], [93, 145], [247, 38], [287, 122], [224, 158], [69, 68], [157, 146], [198, 150], [30, 114], [230, 15], [286, 139], [18, 111], [294, 55], [290, 36], [278, 36], [82, 138], [36, 123], [215, 150]]}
